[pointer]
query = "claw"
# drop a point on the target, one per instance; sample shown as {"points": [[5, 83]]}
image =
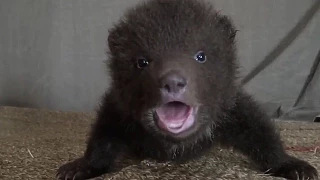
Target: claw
{"points": [[69, 175], [58, 176]]}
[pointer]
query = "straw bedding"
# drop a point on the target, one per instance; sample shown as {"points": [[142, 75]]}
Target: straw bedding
{"points": [[33, 143]]}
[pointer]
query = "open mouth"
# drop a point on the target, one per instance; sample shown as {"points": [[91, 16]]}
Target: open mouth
{"points": [[175, 117]]}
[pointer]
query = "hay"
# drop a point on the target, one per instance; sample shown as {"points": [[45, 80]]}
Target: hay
{"points": [[33, 143]]}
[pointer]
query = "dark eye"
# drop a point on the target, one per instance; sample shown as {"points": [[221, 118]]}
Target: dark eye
{"points": [[142, 62], [200, 57]]}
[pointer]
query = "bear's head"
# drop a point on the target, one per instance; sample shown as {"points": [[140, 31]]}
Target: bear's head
{"points": [[173, 65]]}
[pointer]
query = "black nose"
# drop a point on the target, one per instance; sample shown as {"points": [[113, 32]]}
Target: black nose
{"points": [[173, 82]]}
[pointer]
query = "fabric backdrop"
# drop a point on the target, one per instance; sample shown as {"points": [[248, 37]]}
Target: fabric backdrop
{"points": [[52, 52]]}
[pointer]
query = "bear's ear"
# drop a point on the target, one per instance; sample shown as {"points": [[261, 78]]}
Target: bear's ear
{"points": [[233, 34], [113, 40], [228, 27], [117, 37]]}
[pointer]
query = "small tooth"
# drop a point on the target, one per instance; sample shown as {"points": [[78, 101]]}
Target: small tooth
{"points": [[175, 125]]}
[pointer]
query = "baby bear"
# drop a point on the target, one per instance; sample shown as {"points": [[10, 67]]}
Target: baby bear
{"points": [[175, 94]]}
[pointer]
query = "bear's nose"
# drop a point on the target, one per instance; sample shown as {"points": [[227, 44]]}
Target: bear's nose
{"points": [[173, 82]]}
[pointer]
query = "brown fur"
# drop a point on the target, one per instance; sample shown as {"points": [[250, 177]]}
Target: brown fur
{"points": [[170, 40], [168, 34]]}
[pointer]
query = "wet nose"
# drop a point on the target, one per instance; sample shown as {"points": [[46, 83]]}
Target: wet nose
{"points": [[173, 82]]}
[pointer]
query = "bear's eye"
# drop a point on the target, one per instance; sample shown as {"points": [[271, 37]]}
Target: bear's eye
{"points": [[142, 62], [200, 57]]}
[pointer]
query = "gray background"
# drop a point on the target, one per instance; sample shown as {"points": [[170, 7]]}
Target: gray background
{"points": [[52, 51]]}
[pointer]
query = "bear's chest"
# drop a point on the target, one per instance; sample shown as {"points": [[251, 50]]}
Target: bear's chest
{"points": [[157, 149]]}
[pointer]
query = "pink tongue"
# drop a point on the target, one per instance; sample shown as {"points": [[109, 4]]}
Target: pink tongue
{"points": [[174, 111]]}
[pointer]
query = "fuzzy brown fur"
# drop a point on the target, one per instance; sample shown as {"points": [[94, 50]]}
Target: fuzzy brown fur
{"points": [[153, 60]]}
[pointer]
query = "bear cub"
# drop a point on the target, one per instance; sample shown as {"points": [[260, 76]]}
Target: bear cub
{"points": [[175, 94]]}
